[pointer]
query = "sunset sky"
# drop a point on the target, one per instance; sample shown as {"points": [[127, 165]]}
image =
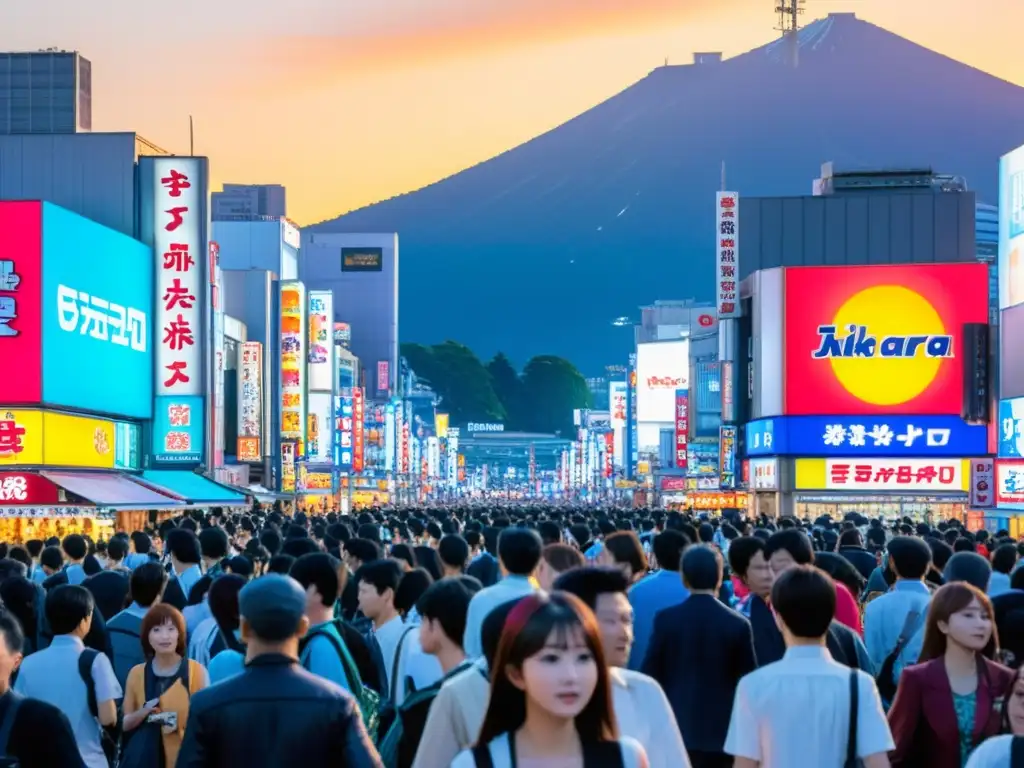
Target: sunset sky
{"points": [[347, 103]]}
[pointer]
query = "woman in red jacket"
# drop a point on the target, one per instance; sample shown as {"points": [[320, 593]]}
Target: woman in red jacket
{"points": [[950, 701]]}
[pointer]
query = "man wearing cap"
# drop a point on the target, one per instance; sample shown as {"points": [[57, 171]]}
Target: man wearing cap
{"points": [[274, 713]]}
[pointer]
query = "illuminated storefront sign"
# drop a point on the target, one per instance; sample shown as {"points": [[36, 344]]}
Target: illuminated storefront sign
{"points": [[682, 426], [288, 468], [358, 422], [343, 433], [727, 456], [29, 437], [317, 482], [293, 361], [764, 474], [383, 377], [250, 401], [319, 434], [28, 488], [320, 355], [983, 483], [178, 430], [727, 234], [874, 340], [1010, 482], [895, 475], [21, 279], [475, 427], [914, 436]]}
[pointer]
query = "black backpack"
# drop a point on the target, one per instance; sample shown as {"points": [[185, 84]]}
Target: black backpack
{"points": [[14, 700], [109, 734]]}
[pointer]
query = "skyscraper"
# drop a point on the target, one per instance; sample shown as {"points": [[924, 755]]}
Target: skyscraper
{"points": [[45, 92]]}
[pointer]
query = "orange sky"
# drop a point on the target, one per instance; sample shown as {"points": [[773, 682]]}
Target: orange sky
{"points": [[347, 107]]}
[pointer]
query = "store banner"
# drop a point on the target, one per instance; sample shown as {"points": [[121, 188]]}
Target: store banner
{"points": [[727, 456], [983, 483], [178, 429], [852, 436], [358, 423], [250, 401], [896, 475], [33, 438], [28, 488], [764, 474], [727, 239], [321, 344], [178, 198], [293, 363], [682, 427]]}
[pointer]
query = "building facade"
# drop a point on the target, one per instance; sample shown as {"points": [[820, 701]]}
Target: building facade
{"points": [[45, 92]]}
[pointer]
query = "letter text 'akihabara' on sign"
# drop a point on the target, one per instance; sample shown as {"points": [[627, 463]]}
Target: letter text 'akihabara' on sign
{"points": [[871, 340]]}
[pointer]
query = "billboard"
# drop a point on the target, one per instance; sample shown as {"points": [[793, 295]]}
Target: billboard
{"points": [[727, 240], [32, 437], [727, 455], [661, 368], [180, 264], [21, 279], [383, 377], [178, 429], [343, 432], [293, 361], [358, 423], [1010, 482], [1011, 229], [362, 259], [319, 434], [617, 408], [320, 355], [914, 436], [869, 340], [1011, 352], [343, 334], [250, 401], [682, 426], [884, 475], [96, 300]]}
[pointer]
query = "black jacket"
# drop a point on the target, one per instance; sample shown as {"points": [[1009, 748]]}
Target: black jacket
{"points": [[275, 714], [109, 590], [865, 562], [41, 736], [770, 646], [698, 652]]}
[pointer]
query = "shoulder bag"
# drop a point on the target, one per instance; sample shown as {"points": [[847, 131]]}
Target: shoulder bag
{"points": [[852, 761], [885, 679]]}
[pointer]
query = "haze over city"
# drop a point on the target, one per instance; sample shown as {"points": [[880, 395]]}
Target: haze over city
{"points": [[350, 105]]}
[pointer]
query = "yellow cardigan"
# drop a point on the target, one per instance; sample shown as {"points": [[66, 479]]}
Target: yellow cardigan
{"points": [[173, 700]]}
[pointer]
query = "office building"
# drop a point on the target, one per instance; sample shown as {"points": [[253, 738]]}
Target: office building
{"points": [[248, 202], [45, 92]]}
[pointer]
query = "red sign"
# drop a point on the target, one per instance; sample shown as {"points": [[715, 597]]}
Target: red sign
{"points": [[705, 321], [383, 380], [914, 475], [682, 426], [883, 339], [21, 334], [664, 382], [357, 429], [26, 488], [609, 453], [673, 484]]}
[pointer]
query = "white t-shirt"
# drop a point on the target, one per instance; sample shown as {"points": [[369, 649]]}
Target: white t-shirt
{"points": [[633, 754], [992, 753]]}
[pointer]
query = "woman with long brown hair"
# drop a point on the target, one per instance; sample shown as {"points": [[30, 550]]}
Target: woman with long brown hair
{"points": [[550, 696], [951, 700]]}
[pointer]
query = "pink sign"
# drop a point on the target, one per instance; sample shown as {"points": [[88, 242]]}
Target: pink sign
{"points": [[383, 380]]}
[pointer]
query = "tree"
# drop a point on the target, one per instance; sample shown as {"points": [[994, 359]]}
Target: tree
{"points": [[552, 389], [459, 378], [509, 389]]}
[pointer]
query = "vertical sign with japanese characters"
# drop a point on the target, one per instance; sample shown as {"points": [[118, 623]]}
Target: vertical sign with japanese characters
{"points": [[358, 422], [250, 401], [178, 429], [293, 364], [727, 239], [383, 377], [682, 426], [983, 483], [320, 353]]}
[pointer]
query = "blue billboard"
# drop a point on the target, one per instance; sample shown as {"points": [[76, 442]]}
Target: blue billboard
{"points": [[178, 429], [1011, 428], [852, 436], [97, 317]]}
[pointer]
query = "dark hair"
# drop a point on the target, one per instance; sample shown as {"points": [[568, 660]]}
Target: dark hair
{"points": [[549, 532], [527, 631], [411, 588], [947, 600], [446, 602], [20, 598], [841, 570], [625, 547], [157, 616], [223, 602], [142, 542], [850, 538], [909, 556], [793, 541], [213, 543], [742, 551], [322, 571], [404, 553], [67, 606], [147, 583], [1004, 558], [183, 545], [52, 558], [117, 549], [10, 631], [299, 546], [74, 547], [428, 559], [281, 564], [590, 582], [492, 627], [34, 546], [519, 550], [453, 550], [563, 557], [804, 598], [668, 549], [10, 567], [702, 567], [381, 574], [364, 550]]}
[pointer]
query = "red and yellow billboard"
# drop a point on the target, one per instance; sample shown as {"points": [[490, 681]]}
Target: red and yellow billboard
{"points": [[879, 339]]}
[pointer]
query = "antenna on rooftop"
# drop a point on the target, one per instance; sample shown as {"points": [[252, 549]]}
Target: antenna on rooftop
{"points": [[789, 25]]}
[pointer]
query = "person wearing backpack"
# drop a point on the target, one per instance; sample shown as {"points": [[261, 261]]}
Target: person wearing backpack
{"points": [[323, 649], [157, 696], [125, 629], [33, 734], [80, 682]]}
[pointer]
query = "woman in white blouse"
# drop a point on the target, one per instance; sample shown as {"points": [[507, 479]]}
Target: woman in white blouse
{"points": [[1007, 750]]}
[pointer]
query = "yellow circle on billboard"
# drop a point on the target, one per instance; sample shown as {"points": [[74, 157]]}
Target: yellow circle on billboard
{"points": [[908, 337]]}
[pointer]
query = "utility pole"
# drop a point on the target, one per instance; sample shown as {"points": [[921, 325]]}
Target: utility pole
{"points": [[789, 25]]}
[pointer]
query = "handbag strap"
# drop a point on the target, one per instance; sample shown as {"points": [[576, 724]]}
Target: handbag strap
{"points": [[851, 736], [482, 756]]}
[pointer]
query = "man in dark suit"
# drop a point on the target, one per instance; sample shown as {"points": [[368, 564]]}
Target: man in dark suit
{"points": [[698, 652]]}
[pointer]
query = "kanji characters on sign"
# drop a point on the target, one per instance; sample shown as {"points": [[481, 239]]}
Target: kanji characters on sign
{"points": [[727, 248], [9, 282], [11, 434], [882, 435]]}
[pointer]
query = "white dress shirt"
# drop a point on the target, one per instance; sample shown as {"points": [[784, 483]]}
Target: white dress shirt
{"points": [[486, 600], [644, 714], [796, 712], [992, 753]]}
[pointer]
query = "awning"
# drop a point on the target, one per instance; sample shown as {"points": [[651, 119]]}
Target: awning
{"points": [[192, 488], [108, 489], [265, 495]]}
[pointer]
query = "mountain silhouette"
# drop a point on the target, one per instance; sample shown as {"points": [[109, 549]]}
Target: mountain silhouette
{"points": [[538, 249]]}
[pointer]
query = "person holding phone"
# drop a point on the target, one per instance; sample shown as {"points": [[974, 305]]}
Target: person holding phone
{"points": [[158, 692]]}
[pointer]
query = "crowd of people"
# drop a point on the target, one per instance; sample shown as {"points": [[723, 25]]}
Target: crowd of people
{"points": [[475, 636]]}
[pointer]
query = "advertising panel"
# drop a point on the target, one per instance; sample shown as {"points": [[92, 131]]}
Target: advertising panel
{"points": [[682, 426], [1010, 482], [383, 379], [288, 468], [178, 429], [1011, 228], [362, 259], [727, 455], [293, 361], [319, 437], [441, 423], [250, 401], [76, 441], [892, 475], [661, 369], [617, 408], [764, 474], [358, 422], [21, 279], [983, 483], [343, 335], [321, 342], [180, 264], [727, 237], [27, 488], [851, 436], [343, 432], [872, 340], [1011, 352], [21, 437]]}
